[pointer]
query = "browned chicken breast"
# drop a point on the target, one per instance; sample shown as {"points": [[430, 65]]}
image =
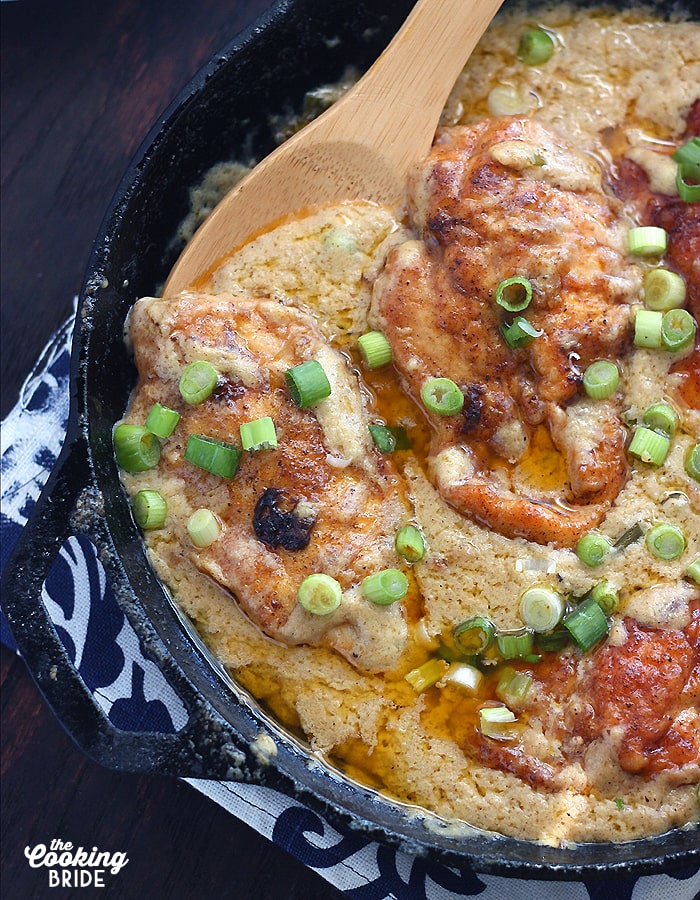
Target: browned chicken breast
{"points": [[506, 198], [324, 501]]}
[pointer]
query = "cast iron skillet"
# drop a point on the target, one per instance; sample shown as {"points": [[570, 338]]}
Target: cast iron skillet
{"points": [[297, 45]]}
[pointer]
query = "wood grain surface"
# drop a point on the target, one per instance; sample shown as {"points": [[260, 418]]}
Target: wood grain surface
{"points": [[82, 82]]}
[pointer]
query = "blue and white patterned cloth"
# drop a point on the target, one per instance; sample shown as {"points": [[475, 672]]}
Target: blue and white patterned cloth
{"points": [[135, 696]]}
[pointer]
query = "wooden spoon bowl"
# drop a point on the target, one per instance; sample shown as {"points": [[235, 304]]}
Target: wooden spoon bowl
{"points": [[362, 148]]}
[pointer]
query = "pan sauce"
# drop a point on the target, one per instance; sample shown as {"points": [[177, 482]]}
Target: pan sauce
{"points": [[620, 84]]}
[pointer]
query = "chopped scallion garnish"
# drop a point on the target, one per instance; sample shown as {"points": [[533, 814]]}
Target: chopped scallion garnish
{"points": [[514, 294], [693, 571], [150, 510], [319, 594], [688, 182], [646, 240], [474, 636], [203, 528], [385, 587], [427, 675], [662, 417], [388, 438], [466, 676], [307, 383], [649, 446], [535, 47], [217, 457], [198, 381], [586, 624], [691, 464], [162, 421], [410, 543], [553, 640], [520, 332], [135, 447], [628, 537], [515, 644], [375, 349], [442, 396], [663, 290], [600, 379], [605, 595], [541, 608], [259, 434], [593, 548], [513, 687], [647, 328], [665, 541], [677, 330], [497, 722], [688, 153]]}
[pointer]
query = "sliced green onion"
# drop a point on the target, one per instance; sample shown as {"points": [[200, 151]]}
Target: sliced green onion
{"points": [[691, 463], [514, 294], [662, 417], [677, 330], [688, 182], [515, 644], [665, 541], [693, 571], [442, 396], [628, 537], [259, 434], [541, 608], [646, 240], [162, 421], [600, 379], [593, 549], [135, 447], [586, 624], [474, 636], [520, 332], [497, 722], [410, 543], [427, 675], [605, 595], [535, 47], [513, 687], [465, 675], [385, 587], [553, 640], [203, 528], [307, 383], [663, 290], [647, 328], [688, 153], [506, 100], [217, 457], [388, 438], [375, 349], [198, 381], [649, 446], [150, 510], [319, 594]]}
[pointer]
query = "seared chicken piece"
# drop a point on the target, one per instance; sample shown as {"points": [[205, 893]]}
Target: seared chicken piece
{"points": [[506, 198], [324, 501]]}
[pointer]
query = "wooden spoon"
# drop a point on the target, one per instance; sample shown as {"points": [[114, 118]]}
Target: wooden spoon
{"points": [[361, 148]]}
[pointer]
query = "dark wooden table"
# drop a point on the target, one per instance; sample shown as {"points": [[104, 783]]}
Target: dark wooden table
{"points": [[81, 84]]}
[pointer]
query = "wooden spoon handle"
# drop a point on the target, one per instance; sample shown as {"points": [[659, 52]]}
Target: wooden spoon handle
{"points": [[362, 148], [405, 90]]}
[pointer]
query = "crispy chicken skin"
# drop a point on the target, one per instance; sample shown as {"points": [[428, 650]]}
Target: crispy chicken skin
{"points": [[508, 197], [324, 501]]}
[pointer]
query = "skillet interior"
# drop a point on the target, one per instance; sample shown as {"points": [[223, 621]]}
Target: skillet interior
{"points": [[296, 46]]}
